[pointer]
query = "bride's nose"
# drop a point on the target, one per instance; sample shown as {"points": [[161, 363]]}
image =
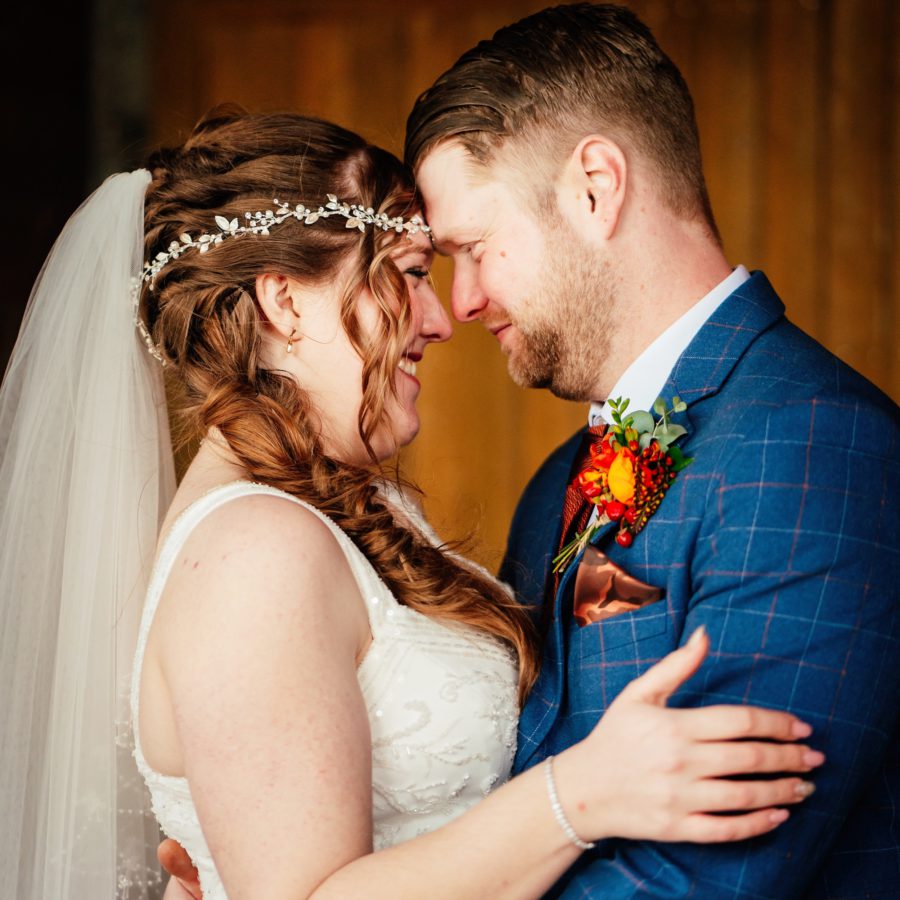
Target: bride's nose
{"points": [[435, 325]]}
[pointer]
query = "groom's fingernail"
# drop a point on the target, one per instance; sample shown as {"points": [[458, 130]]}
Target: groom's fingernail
{"points": [[697, 636], [801, 729], [804, 789], [813, 758]]}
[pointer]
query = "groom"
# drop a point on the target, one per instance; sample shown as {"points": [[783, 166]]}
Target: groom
{"points": [[560, 168]]}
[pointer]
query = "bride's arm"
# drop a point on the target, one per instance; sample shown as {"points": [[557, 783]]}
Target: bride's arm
{"points": [[261, 640], [645, 772]]}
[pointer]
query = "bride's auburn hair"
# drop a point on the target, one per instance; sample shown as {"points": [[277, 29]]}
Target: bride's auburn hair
{"points": [[204, 319]]}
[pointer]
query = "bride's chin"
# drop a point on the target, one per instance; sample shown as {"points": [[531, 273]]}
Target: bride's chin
{"points": [[396, 436]]}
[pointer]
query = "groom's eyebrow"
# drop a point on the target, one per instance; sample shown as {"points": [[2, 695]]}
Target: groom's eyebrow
{"points": [[447, 246]]}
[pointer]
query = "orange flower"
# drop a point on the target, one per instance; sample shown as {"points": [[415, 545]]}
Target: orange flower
{"points": [[621, 477], [603, 454]]}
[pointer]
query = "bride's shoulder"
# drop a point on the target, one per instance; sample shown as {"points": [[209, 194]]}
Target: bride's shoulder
{"points": [[254, 537], [259, 524], [260, 561]]}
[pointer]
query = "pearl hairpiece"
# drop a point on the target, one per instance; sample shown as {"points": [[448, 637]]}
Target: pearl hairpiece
{"points": [[260, 223]]}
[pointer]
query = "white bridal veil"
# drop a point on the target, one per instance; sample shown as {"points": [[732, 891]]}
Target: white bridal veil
{"points": [[85, 475]]}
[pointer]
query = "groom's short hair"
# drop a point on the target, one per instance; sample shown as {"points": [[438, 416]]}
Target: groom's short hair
{"points": [[538, 86]]}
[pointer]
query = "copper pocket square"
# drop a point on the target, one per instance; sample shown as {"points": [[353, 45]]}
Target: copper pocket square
{"points": [[603, 590]]}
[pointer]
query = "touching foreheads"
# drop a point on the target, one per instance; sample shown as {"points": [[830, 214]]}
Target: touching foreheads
{"points": [[540, 85]]}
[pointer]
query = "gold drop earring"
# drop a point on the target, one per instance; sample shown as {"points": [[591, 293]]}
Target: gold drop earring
{"points": [[290, 343]]}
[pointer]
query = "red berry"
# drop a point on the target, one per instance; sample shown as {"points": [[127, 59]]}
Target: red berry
{"points": [[633, 445], [624, 538], [615, 510], [630, 515]]}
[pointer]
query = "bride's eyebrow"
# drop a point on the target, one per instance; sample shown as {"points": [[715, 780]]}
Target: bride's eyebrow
{"points": [[407, 253]]}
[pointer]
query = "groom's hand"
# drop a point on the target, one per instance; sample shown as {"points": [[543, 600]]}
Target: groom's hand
{"points": [[174, 859]]}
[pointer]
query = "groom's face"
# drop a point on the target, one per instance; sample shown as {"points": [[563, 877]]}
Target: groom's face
{"points": [[524, 275]]}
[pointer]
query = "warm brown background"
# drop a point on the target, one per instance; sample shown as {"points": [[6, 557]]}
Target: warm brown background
{"points": [[799, 109]]}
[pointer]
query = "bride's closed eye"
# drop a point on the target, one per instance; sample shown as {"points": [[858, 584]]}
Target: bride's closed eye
{"points": [[417, 272]]}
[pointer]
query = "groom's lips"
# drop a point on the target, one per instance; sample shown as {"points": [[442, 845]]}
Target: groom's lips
{"points": [[497, 330]]}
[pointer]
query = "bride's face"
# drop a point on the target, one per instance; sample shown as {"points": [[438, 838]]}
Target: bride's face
{"points": [[327, 365]]}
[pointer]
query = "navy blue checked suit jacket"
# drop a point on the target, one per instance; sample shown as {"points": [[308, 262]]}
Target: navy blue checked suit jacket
{"points": [[782, 539]]}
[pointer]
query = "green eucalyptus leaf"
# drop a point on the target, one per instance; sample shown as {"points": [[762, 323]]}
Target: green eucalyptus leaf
{"points": [[672, 432], [642, 421], [644, 440], [659, 406]]}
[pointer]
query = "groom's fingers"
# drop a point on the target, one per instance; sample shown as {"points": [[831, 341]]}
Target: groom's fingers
{"points": [[175, 860], [726, 723], [659, 682], [717, 759]]}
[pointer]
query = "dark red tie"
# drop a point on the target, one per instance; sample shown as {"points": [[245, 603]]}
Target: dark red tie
{"points": [[576, 509], [576, 513]]}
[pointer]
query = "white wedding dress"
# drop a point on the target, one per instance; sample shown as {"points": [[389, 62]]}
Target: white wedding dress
{"points": [[441, 702]]}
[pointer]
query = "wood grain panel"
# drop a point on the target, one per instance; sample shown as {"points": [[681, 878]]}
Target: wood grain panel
{"points": [[798, 105], [856, 180], [794, 211]]}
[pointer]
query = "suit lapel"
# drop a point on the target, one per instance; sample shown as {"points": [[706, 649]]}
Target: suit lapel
{"points": [[707, 362], [543, 706]]}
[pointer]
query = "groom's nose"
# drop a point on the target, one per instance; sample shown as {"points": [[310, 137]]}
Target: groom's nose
{"points": [[467, 299]]}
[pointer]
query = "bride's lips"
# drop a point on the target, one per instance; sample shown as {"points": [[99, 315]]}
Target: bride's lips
{"points": [[407, 365]]}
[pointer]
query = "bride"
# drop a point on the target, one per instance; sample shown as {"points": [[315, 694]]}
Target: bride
{"points": [[324, 697]]}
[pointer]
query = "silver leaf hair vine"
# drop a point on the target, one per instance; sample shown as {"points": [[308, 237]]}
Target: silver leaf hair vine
{"points": [[259, 223]]}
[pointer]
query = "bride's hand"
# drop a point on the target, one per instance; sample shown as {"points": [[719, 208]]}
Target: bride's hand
{"points": [[661, 774]]}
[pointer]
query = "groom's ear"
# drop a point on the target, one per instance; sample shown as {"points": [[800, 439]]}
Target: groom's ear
{"points": [[591, 190]]}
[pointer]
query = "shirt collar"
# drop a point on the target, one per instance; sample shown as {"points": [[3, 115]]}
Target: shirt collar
{"points": [[647, 375]]}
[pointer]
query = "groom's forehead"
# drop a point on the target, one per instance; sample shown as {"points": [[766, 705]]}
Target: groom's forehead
{"points": [[458, 193]]}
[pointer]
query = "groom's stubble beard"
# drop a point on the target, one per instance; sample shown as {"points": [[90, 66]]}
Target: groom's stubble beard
{"points": [[566, 324]]}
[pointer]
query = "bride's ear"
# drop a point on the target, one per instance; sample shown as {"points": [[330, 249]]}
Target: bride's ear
{"points": [[278, 302]]}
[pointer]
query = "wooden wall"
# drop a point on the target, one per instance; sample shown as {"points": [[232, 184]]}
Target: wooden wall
{"points": [[798, 104]]}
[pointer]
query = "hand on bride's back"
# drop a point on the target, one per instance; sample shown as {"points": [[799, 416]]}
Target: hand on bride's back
{"points": [[665, 772]]}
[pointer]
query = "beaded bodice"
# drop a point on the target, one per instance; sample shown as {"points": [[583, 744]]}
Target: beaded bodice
{"points": [[441, 704]]}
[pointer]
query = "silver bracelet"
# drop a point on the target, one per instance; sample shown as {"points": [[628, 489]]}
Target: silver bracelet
{"points": [[558, 813]]}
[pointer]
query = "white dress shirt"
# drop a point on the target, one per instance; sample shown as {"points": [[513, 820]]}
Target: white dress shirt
{"points": [[643, 380]]}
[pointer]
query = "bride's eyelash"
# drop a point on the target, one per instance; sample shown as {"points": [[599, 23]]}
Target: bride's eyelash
{"points": [[417, 272]]}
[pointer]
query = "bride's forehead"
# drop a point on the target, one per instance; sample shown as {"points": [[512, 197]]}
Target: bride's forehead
{"points": [[410, 244]]}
